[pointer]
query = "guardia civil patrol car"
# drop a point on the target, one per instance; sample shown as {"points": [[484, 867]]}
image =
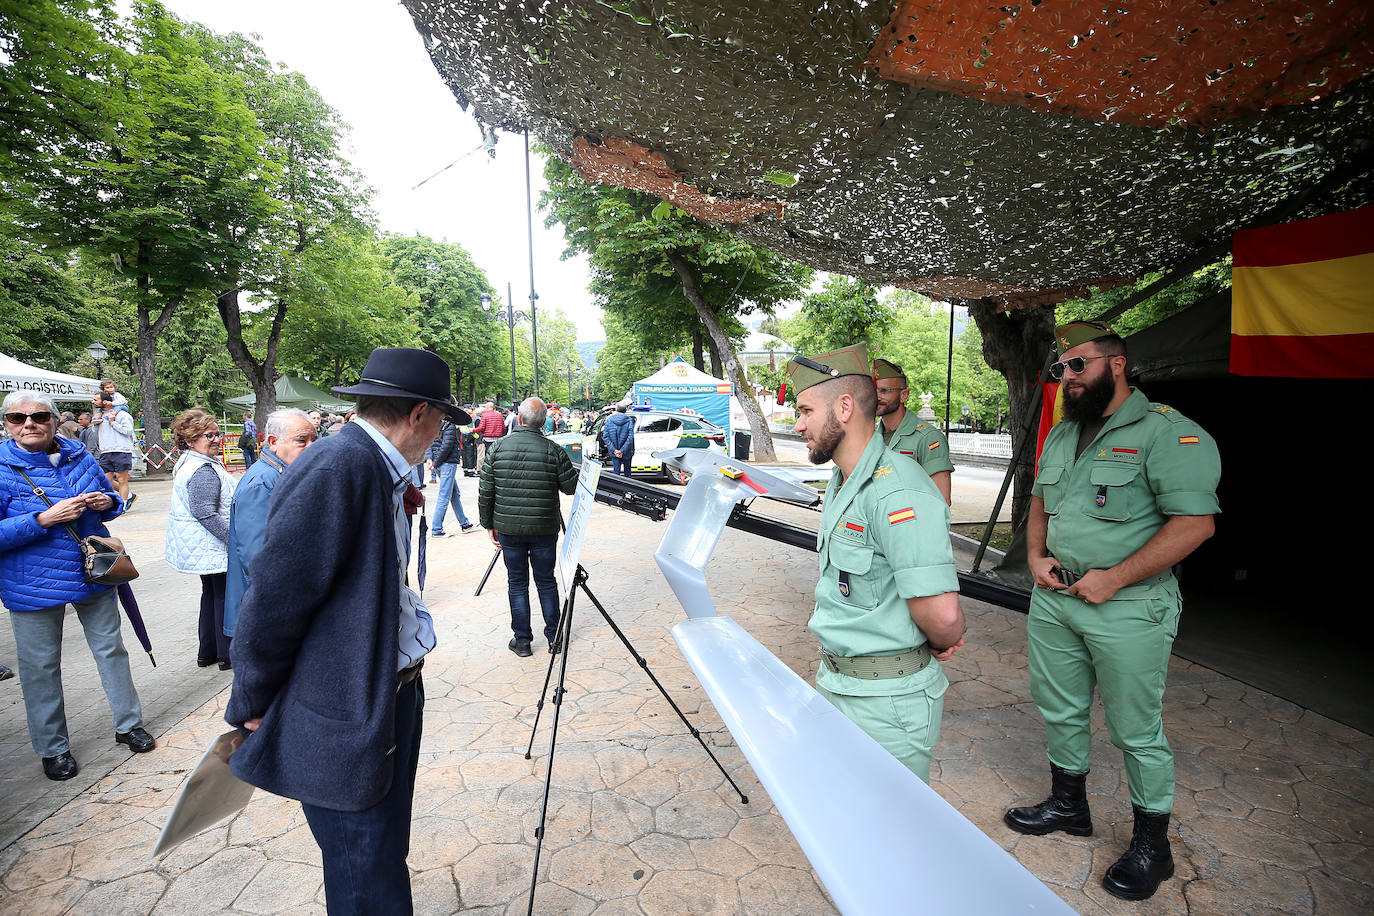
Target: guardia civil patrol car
{"points": [[654, 430]]}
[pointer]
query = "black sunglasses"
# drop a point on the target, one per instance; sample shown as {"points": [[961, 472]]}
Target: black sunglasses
{"points": [[38, 416], [1076, 363]]}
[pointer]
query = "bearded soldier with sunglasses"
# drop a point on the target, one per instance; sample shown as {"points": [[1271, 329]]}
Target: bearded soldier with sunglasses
{"points": [[1126, 489]]}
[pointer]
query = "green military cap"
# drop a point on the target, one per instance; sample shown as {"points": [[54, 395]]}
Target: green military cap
{"points": [[1068, 336], [883, 368], [803, 372]]}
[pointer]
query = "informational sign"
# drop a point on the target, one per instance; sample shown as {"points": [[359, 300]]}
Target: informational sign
{"points": [[583, 498]]}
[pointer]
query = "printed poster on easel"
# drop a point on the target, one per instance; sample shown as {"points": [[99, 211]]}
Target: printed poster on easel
{"points": [[583, 498]]}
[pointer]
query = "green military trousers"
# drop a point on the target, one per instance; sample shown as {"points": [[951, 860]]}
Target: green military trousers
{"points": [[1123, 648], [906, 724]]}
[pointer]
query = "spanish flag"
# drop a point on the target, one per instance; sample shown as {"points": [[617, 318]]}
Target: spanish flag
{"points": [[1302, 298]]}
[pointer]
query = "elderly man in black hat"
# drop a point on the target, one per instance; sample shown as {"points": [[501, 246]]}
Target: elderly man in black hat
{"points": [[330, 639]]}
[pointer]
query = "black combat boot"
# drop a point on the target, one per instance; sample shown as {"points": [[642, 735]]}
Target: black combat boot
{"points": [[1066, 809], [1148, 861]]}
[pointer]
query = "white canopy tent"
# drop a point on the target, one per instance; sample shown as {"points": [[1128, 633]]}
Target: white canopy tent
{"points": [[17, 376]]}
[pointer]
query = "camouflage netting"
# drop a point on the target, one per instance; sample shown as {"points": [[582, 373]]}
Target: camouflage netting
{"points": [[957, 148]]}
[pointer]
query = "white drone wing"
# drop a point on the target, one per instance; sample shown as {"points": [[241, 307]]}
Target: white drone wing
{"points": [[881, 840]]}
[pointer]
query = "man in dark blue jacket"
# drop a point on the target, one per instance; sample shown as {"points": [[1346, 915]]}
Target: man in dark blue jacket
{"points": [[619, 435], [330, 641], [443, 457]]}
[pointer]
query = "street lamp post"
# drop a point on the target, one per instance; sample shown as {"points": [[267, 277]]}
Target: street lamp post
{"points": [[512, 316], [98, 353]]}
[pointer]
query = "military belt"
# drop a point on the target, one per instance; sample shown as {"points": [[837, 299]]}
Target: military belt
{"points": [[878, 667], [1069, 577]]}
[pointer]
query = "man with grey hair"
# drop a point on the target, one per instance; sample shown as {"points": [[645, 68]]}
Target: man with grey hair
{"points": [[289, 432], [517, 502]]}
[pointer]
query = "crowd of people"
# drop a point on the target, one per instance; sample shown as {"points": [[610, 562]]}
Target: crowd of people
{"points": [[306, 593]]}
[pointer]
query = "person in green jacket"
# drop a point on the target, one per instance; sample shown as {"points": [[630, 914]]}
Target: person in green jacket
{"points": [[1126, 489], [517, 502]]}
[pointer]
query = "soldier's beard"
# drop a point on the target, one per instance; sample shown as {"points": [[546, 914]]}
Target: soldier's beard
{"points": [[1087, 404], [822, 448]]}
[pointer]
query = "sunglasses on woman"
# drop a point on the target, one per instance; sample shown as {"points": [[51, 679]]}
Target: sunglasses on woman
{"points": [[39, 416]]}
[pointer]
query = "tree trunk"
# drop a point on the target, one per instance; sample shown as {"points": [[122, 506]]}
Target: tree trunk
{"points": [[762, 440], [260, 373], [149, 329], [1015, 343], [697, 359], [716, 360]]}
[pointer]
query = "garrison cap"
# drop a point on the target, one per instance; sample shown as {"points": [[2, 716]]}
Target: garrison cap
{"points": [[803, 372], [1068, 336], [883, 368]]}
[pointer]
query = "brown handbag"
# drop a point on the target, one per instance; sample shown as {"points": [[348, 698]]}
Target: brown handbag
{"points": [[104, 561]]}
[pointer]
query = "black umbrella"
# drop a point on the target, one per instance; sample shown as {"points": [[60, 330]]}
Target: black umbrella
{"points": [[130, 604]]}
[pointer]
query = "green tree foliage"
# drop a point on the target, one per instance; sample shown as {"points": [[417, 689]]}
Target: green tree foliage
{"points": [[621, 363], [447, 287], [46, 317], [557, 351], [347, 302], [919, 342], [664, 274], [843, 311], [1188, 291], [157, 162]]}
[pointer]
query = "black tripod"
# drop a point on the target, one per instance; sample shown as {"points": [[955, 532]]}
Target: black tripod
{"points": [[562, 641]]}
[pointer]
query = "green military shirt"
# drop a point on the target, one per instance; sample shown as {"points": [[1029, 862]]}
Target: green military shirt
{"points": [[884, 537], [920, 440], [1147, 463]]}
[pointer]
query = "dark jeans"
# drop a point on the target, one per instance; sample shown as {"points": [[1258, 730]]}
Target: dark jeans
{"points": [[365, 851], [621, 466], [213, 642], [523, 553]]}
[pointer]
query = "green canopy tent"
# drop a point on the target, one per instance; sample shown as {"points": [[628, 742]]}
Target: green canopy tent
{"points": [[294, 392]]}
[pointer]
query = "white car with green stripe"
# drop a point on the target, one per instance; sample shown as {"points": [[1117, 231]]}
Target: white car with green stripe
{"points": [[654, 430]]}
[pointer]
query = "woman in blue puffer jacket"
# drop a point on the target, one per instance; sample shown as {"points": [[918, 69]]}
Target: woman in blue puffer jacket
{"points": [[41, 573]]}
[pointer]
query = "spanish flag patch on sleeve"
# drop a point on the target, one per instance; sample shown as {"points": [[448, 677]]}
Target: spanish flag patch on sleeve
{"points": [[933, 446], [1187, 440], [901, 515]]}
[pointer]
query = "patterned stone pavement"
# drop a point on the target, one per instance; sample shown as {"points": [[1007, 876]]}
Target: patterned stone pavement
{"points": [[1273, 815]]}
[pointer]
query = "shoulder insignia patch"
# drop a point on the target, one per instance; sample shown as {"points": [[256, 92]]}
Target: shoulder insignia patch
{"points": [[882, 472], [923, 426], [1187, 440], [1168, 413], [901, 515], [932, 446]]}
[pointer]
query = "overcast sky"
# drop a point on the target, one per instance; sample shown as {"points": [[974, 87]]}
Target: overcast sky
{"points": [[366, 59]]}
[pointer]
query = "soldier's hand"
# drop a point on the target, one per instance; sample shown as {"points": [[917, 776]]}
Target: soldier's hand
{"points": [[946, 654], [1096, 586], [1040, 571]]}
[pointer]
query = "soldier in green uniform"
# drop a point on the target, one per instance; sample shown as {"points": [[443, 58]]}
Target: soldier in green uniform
{"points": [[907, 434], [887, 608], [1126, 489]]}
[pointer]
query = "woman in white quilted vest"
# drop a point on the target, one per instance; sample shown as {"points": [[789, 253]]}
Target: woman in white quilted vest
{"points": [[198, 526]]}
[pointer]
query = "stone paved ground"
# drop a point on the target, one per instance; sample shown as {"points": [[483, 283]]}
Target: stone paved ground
{"points": [[1274, 808]]}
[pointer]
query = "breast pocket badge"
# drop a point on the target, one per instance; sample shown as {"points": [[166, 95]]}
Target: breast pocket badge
{"points": [[844, 584]]}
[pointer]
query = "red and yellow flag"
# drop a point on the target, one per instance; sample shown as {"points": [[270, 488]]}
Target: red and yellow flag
{"points": [[1302, 298]]}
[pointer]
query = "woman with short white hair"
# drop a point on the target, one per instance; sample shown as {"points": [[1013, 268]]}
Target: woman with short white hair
{"points": [[48, 483]]}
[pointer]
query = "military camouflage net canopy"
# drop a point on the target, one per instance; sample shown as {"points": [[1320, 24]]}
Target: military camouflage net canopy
{"points": [[966, 150]]}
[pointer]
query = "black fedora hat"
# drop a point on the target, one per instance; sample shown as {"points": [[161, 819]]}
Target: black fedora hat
{"points": [[405, 372]]}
